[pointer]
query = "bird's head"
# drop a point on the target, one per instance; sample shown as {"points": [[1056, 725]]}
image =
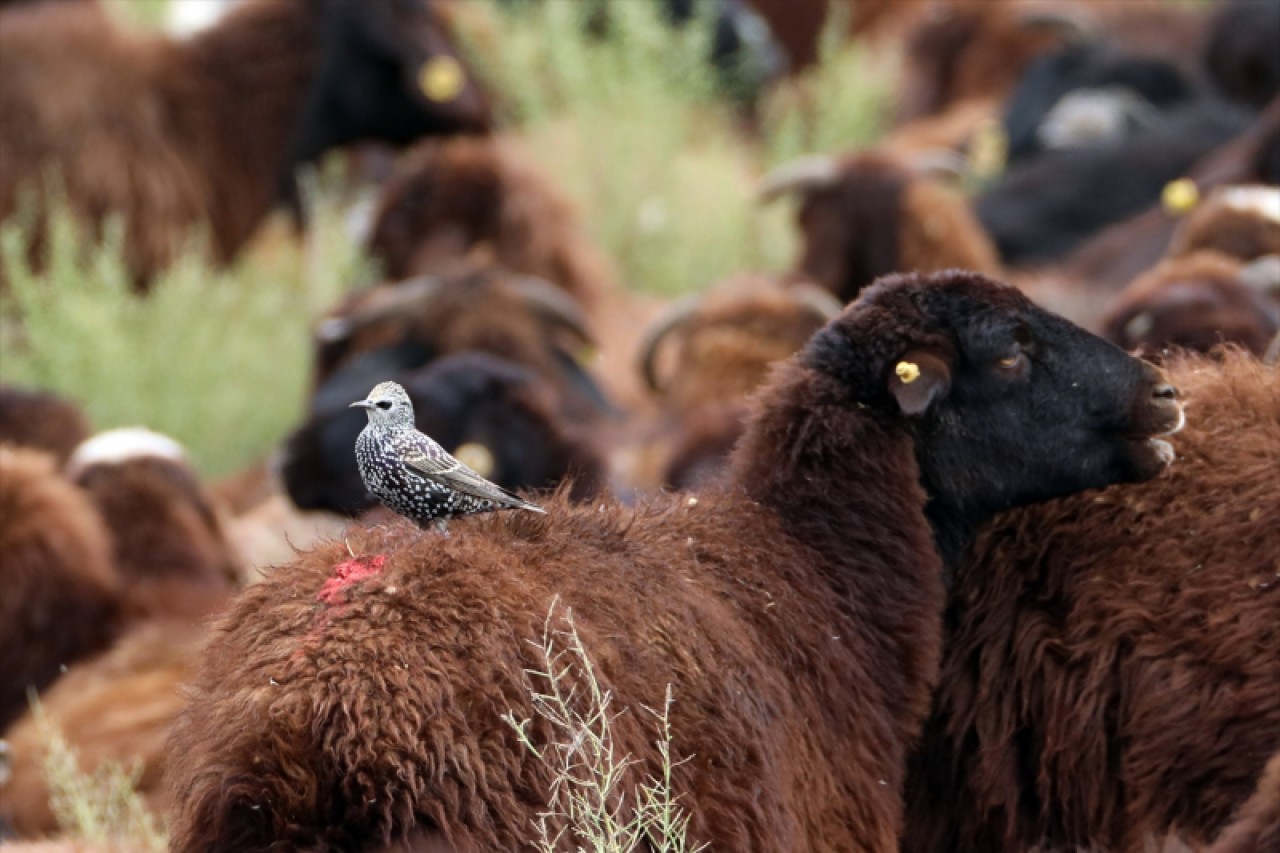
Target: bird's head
{"points": [[388, 405]]}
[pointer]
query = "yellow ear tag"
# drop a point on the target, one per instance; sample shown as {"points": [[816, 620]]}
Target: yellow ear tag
{"points": [[1180, 196], [441, 79], [988, 152], [586, 356], [907, 372], [477, 457]]}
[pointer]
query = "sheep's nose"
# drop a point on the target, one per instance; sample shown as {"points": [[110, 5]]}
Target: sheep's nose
{"points": [[1165, 391]]}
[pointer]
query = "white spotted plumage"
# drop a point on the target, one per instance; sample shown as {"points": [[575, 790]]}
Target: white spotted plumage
{"points": [[411, 474]]}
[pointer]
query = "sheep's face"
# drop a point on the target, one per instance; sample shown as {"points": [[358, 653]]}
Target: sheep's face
{"points": [[1195, 315], [389, 72], [1006, 403]]}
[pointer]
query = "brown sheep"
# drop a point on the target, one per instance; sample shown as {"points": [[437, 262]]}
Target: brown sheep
{"points": [[702, 358], [1109, 673], [1240, 221], [868, 215], [1257, 826], [450, 197], [168, 542], [172, 135], [466, 305], [175, 568], [356, 695], [963, 51], [41, 420], [1194, 302], [61, 591], [116, 707]]}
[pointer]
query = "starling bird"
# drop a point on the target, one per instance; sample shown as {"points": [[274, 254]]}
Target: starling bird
{"points": [[411, 474]]}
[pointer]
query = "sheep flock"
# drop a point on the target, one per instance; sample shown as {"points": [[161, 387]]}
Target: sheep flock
{"points": [[900, 381]]}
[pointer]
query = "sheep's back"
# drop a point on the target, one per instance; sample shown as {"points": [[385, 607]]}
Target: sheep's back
{"points": [[385, 704]]}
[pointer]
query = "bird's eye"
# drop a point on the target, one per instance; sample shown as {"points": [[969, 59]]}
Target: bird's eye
{"points": [[383, 404]]}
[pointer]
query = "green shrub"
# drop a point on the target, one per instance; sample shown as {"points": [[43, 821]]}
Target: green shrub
{"points": [[594, 797], [219, 359], [102, 807]]}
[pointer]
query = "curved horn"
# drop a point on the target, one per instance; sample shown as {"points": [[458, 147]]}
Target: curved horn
{"points": [[822, 301], [555, 305], [672, 318], [815, 172], [1263, 274], [938, 163], [1073, 25], [383, 302]]}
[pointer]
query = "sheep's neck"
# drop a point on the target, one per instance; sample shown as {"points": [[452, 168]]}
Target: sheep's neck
{"points": [[844, 487], [953, 533], [842, 483], [236, 93]]}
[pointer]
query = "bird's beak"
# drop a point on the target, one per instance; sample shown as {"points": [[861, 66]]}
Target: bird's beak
{"points": [[361, 404]]}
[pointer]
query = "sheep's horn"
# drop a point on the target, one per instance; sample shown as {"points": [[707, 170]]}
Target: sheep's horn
{"points": [[938, 162], [1272, 355], [815, 172], [554, 305], [1263, 274], [384, 302], [822, 301], [1073, 25], [674, 316]]}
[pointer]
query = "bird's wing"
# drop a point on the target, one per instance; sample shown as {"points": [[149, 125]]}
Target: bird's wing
{"points": [[457, 476]]}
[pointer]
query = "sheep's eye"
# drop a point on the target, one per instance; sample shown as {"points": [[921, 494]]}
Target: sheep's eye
{"points": [[383, 404], [1012, 361]]}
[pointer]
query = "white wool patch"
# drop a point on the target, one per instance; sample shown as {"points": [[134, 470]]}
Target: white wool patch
{"points": [[1254, 198], [186, 18], [122, 445]]}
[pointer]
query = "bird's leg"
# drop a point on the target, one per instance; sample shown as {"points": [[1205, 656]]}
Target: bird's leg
{"points": [[441, 526]]}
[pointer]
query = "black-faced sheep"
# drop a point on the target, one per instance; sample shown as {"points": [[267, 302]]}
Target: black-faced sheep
{"points": [[1087, 93], [356, 695], [1109, 672], [175, 135], [1119, 253], [450, 197], [702, 358], [499, 418], [1044, 208], [868, 215], [41, 420], [168, 543], [465, 306], [61, 592], [1193, 302]]}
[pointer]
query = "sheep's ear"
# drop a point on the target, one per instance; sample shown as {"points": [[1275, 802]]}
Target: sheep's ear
{"points": [[918, 379]]}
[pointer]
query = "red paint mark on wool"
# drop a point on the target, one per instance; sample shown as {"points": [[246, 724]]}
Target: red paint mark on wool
{"points": [[347, 573]]}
